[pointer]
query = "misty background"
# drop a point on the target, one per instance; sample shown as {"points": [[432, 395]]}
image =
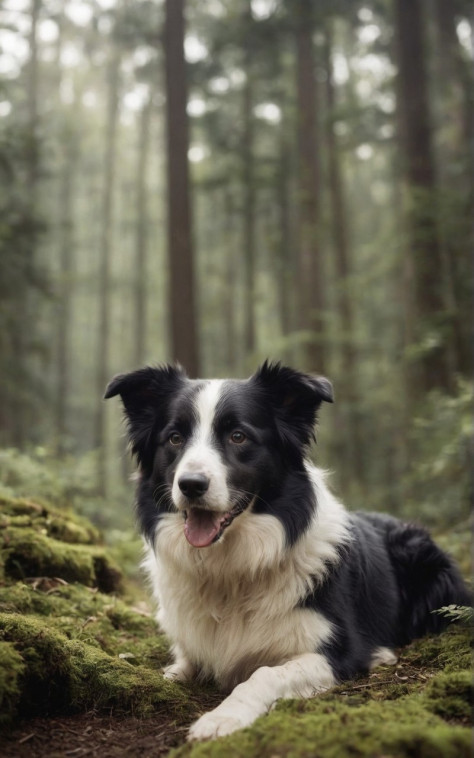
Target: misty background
{"points": [[222, 181]]}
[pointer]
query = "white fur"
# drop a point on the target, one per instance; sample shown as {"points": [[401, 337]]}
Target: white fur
{"points": [[201, 456], [232, 611], [304, 676], [383, 656]]}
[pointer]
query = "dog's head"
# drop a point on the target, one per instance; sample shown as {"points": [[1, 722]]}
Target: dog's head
{"points": [[210, 449]]}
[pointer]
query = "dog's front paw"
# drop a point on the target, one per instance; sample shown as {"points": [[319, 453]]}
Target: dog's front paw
{"points": [[214, 724]]}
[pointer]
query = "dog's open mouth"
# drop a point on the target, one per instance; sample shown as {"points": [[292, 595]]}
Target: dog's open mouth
{"points": [[203, 527]]}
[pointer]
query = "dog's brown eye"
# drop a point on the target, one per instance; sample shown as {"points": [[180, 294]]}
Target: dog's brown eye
{"points": [[237, 437], [175, 439]]}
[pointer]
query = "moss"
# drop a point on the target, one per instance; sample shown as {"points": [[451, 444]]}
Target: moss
{"points": [[27, 553], [449, 651], [11, 671], [60, 524], [68, 530], [66, 641], [335, 730], [67, 674], [12, 506], [417, 710], [92, 617], [450, 695]]}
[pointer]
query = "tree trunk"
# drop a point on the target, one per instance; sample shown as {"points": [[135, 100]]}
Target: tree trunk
{"points": [[249, 210], [348, 394], [66, 263], [285, 273], [23, 339], [33, 156], [141, 238], [416, 140], [231, 276], [309, 254], [456, 177], [184, 344], [103, 363]]}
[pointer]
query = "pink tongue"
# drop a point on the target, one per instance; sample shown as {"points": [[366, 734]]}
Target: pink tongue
{"points": [[201, 527]]}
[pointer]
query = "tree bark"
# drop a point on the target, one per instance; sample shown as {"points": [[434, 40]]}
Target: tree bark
{"points": [[348, 395], [103, 344], [141, 238], [309, 257], [249, 210], [417, 149], [456, 118], [66, 263], [285, 273], [23, 339], [184, 340], [231, 275]]}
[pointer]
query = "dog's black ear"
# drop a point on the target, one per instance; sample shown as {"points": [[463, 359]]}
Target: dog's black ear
{"points": [[145, 396], [296, 398]]}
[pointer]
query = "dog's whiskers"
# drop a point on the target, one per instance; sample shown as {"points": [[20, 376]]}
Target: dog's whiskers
{"points": [[252, 495]]}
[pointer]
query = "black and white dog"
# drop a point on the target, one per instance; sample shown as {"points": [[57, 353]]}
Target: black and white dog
{"points": [[264, 581]]}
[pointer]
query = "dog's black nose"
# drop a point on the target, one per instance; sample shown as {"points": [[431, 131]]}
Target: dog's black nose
{"points": [[193, 485]]}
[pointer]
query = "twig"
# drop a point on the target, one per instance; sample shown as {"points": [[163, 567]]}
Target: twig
{"points": [[26, 738]]}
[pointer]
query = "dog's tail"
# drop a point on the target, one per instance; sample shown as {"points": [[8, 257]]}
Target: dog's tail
{"points": [[428, 580]]}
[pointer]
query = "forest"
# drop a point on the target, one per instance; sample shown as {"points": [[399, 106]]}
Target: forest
{"points": [[220, 182], [297, 186]]}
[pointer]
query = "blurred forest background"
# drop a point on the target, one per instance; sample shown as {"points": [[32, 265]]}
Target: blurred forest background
{"points": [[221, 181]]}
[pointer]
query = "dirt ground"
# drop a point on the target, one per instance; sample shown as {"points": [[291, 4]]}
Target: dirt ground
{"points": [[92, 735]]}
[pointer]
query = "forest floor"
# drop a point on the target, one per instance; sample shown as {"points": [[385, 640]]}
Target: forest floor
{"points": [[80, 662]]}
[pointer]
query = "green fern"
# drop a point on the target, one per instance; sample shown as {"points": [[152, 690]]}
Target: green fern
{"points": [[462, 613]]}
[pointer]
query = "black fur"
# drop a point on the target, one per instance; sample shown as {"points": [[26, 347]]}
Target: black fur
{"points": [[385, 591]]}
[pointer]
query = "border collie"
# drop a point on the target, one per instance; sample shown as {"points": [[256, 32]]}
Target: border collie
{"points": [[264, 581]]}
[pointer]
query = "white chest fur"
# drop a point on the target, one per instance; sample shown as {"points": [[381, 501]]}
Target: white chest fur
{"points": [[233, 607]]}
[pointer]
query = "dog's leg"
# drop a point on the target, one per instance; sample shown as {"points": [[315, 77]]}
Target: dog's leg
{"points": [[303, 677], [182, 670]]}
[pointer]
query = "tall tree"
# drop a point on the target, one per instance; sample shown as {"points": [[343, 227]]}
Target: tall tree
{"points": [[428, 267], [309, 196], [66, 264], [107, 221], [345, 304], [141, 236], [454, 90], [25, 339], [183, 311], [249, 199]]}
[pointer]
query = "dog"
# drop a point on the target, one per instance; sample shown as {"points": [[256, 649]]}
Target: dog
{"points": [[264, 581]]}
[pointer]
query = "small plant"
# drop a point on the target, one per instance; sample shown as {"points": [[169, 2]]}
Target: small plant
{"points": [[461, 613]]}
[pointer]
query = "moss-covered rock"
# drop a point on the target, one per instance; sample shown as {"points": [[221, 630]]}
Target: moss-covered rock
{"points": [[28, 553], [64, 673], [62, 525], [12, 668], [39, 541], [68, 642]]}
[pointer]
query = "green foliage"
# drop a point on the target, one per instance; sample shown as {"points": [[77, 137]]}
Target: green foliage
{"points": [[69, 481], [462, 613], [439, 483]]}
